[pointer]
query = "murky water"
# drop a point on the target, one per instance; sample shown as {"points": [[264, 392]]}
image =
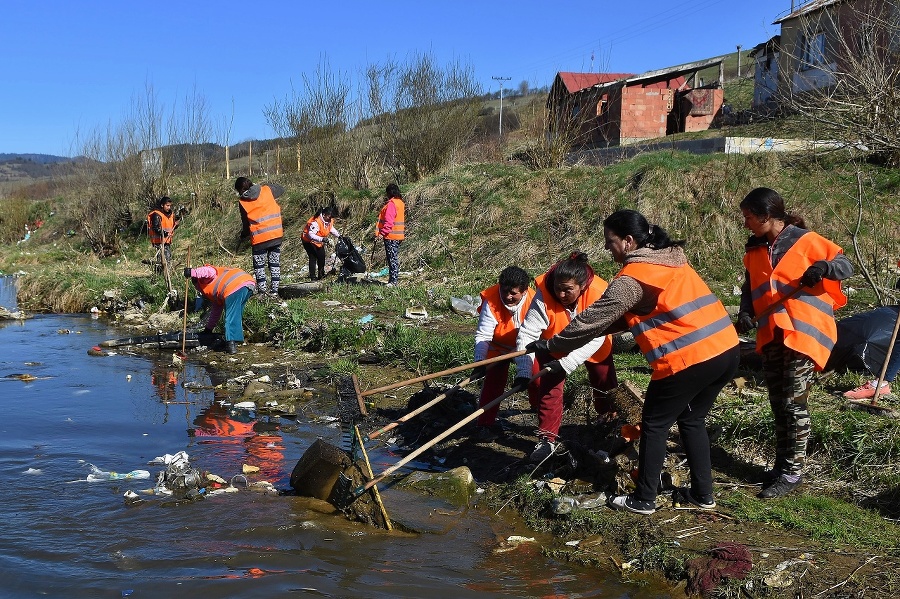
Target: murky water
{"points": [[65, 537]]}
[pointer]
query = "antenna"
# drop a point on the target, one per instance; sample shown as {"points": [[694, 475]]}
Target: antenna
{"points": [[501, 80]]}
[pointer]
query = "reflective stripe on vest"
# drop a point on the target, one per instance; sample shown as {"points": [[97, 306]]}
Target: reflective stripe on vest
{"points": [[226, 282], [167, 224], [505, 332], [559, 317], [324, 231], [689, 324], [398, 231], [807, 319], [264, 215]]}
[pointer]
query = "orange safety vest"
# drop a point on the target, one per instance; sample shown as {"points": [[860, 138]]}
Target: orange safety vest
{"points": [[167, 224], [689, 324], [264, 215], [324, 231], [807, 319], [559, 317], [399, 229], [504, 340], [226, 282]]}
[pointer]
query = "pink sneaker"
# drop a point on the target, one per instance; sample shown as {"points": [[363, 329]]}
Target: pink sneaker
{"points": [[867, 391]]}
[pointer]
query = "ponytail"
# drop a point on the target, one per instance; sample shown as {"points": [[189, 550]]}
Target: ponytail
{"points": [[765, 202], [631, 222]]}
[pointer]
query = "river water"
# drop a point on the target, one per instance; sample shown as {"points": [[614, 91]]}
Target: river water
{"points": [[66, 537]]}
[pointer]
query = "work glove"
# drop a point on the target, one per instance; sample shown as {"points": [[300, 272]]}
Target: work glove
{"points": [[521, 382], [555, 367], [187, 273], [814, 274], [539, 348], [478, 372], [744, 323], [207, 331]]}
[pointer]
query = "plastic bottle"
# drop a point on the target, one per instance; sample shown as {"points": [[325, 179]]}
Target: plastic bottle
{"points": [[97, 474]]}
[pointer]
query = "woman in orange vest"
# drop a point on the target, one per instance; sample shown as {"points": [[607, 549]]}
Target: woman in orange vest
{"points": [[261, 222], [227, 288], [564, 291], [503, 308], [315, 233], [161, 225], [685, 335], [391, 227], [796, 339]]}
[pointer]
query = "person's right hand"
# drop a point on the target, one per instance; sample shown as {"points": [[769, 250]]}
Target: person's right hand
{"points": [[744, 323], [521, 382], [187, 273], [478, 372]]}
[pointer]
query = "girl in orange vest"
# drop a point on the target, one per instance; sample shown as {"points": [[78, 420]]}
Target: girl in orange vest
{"points": [[796, 339], [391, 227], [563, 292], [316, 232], [685, 335], [228, 289], [261, 222], [503, 308]]}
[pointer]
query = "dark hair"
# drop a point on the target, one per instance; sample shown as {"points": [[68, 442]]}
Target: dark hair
{"points": [[763, 201], [632, 222], [242, 184], [574, 267], [163, 200], [513, 277], [393, 191], [326, 211]]}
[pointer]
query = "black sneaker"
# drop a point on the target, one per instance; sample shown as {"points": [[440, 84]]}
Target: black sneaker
{"points": [[779, 488], [230, 347], [630, 504], [704, 502]]}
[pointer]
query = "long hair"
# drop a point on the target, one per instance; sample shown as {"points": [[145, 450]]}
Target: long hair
{"points": [[765, 202], [632, 222], [574, 267]]}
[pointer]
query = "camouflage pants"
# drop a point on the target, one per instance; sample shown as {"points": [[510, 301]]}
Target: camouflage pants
{"points": [[789, 375]]}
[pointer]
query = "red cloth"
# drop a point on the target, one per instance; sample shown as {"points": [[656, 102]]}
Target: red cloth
{"points": [[726, 560]]}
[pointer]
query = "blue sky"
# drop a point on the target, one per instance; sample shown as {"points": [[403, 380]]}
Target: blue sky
{"points": [[75, 66]]}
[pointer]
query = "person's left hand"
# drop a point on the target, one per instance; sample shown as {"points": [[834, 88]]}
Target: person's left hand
{"points": [[814, 274], [187, 273], [538, 346]]}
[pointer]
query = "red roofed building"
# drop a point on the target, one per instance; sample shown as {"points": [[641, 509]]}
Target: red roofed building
{"points": [[607, 109]]}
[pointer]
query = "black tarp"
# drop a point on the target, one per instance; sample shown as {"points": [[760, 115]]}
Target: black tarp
{"points": [[862, 341]]}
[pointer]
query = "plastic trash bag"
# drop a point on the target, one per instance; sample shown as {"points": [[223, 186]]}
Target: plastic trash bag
{"points": [[465, 305], [862, 341]]}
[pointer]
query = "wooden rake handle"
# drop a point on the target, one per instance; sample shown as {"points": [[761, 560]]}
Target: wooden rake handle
{"points": [[448, 432], [778, 303], [435, 375]]}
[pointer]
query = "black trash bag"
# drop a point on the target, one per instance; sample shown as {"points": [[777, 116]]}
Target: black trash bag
{"points": [[862, 341], [351, 262]]}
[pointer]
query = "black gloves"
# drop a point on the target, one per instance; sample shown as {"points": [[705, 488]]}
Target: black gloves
{"points": [[187, 273], [744, 323], [555, 367], [538, 345], [207, 331], [478, 372], [814, 273], [521, 382]]}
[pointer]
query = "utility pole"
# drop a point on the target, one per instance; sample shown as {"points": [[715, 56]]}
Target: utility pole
{"points": [[501, 80], [739, 61]]}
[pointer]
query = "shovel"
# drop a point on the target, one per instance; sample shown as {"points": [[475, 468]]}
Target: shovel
{"points": [[356, 493]]}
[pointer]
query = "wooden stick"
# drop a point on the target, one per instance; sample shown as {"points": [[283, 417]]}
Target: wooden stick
{"points": [[187, 283], [887, 358], [413, 455], [453, 370], [778, 303], [420, 409], [370, 474]]}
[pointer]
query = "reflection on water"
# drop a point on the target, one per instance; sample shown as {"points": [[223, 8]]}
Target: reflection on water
{"points": [[79, 539]]}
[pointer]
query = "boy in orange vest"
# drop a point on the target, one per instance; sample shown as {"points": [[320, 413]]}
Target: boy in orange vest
{"points": [[502, 311]]}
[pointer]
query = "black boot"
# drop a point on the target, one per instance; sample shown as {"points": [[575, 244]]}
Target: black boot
{"points": [[230, 347]]}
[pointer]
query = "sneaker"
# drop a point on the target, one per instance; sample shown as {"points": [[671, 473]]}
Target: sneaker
{"points": [[391, 285], [230, 347], [779, 488], [867, 391], [704, 502], [630, 504], [543, 450]]}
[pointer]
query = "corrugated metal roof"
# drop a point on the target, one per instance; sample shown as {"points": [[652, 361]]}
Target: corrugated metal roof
{"points": [[807, 8], [578, 81]]}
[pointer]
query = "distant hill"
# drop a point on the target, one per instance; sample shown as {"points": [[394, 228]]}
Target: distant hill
{"points": [[36, 158]]}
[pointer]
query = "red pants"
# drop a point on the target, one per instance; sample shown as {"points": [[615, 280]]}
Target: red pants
{"points": [[493, 384], [546, 394]]}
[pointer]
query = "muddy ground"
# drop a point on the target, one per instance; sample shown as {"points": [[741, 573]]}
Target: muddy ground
{"points": [[784, 564]]}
